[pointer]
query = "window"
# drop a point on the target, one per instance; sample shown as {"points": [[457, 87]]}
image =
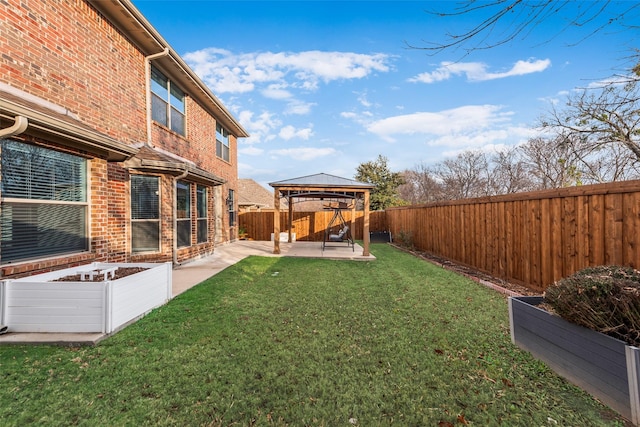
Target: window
{"points": [[231, 204], [145, 213], [167, 102], [44, 207], [183, 205], [222, 143], [201, 200]]}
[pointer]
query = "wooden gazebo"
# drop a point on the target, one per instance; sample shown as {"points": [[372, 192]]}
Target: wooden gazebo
{"points": [[322, 187]]}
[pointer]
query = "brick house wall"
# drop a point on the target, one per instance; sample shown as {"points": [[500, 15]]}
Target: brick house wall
{"points": [[71, 56]]}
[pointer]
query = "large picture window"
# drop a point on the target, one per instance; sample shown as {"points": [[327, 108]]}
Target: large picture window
{"points": [[167, 102], [201, 200], [145, 213], [43, 205], [183, 204], [222, 143]]}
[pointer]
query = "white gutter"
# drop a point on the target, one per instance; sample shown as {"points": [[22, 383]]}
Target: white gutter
{"points": [[18, 127], [147, 66]]}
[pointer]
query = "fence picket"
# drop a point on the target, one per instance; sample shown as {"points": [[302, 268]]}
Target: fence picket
{"points": [[531, 238]]}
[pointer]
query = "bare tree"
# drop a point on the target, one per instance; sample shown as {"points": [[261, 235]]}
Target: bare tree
{"points": [[465, 176], [551, 162], [420, 185], [510, 173], [596, 118], [600, 163], [502, 21]]}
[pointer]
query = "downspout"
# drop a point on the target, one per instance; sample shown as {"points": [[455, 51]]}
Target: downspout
{"points": [[175, 213], [147, 65], [18, 127]]}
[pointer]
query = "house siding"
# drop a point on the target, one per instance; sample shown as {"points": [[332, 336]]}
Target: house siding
{"points": [[68, 55]]}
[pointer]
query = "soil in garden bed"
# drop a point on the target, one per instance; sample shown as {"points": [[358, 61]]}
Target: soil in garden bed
{"points": [[120, 273], [470, 272]]}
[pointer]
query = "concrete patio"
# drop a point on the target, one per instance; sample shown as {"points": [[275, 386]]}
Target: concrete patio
{"points": [[190, 274]]}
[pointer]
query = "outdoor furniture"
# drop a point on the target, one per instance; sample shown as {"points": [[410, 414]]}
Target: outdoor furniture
{"points": [[344, 235], [106, 272]]}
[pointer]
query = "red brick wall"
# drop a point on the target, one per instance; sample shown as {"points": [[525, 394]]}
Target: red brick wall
{"points": [[119, 214], [65, 52]]}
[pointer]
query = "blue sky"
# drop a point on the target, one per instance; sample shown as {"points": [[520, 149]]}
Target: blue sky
{"points": [[323, 86]]}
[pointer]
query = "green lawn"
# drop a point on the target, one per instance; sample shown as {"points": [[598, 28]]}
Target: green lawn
{"points": [[291, 341]]}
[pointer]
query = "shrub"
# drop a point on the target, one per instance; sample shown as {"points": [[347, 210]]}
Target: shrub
{"points": [[405, 238], [605, 299]]}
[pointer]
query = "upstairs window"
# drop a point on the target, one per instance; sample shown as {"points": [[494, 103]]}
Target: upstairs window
{"points": [[222, 143], [167, 102], [44, 209]]}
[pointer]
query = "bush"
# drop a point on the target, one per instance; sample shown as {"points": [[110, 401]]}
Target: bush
{"points": [[605, 299], [405, 239]]}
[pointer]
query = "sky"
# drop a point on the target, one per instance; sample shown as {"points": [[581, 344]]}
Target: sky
{"points": [[324, 86]]}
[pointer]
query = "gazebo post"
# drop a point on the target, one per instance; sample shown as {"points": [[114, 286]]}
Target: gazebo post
{"points": [[366, 237], [353, 215], [319, 186], [290, 218], [276, 221]]}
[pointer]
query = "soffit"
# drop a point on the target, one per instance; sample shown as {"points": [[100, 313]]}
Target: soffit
{"points": [[61, 127], [128, 19]]}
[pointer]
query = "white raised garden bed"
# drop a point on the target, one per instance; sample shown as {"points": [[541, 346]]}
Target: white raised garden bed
{"points": [[40, 304]]}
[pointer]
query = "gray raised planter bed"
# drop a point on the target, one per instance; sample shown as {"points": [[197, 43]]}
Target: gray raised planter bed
{"points": [[38, 304], [603, 366]]}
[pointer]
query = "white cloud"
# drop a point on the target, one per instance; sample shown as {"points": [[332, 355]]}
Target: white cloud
{"points": [[612, 81], [289, 132], [455, 130], [483, 138], [362, 118], [251, 151], [477, 71], [462, 119], [362, 99], [246, 170], [226, 72], [259, 127], [304, 153], [276, 91], [296, 107]]}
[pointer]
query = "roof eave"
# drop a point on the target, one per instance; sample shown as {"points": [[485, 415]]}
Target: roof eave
{"points": [[41, 124], [128, 19], [193, 173]]}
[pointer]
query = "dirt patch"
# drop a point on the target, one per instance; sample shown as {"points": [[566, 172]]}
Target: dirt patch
{"points": [[478, 276], [120, 273]]}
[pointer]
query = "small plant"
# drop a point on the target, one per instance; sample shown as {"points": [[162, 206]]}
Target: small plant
{"points": [[405, 238], [604, 298]]}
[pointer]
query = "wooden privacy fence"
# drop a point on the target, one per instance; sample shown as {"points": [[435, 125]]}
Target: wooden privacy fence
{"points": [[308, 226], [530, 238]]}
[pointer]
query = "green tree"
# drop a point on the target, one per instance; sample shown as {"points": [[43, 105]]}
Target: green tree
{"points": [[386, 192]]}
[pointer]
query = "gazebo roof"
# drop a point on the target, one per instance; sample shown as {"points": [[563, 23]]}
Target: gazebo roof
{"points": [[321, 186], [322, 180]]}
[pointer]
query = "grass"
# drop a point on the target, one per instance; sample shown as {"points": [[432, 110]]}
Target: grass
{"points": [[290, 341]]}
